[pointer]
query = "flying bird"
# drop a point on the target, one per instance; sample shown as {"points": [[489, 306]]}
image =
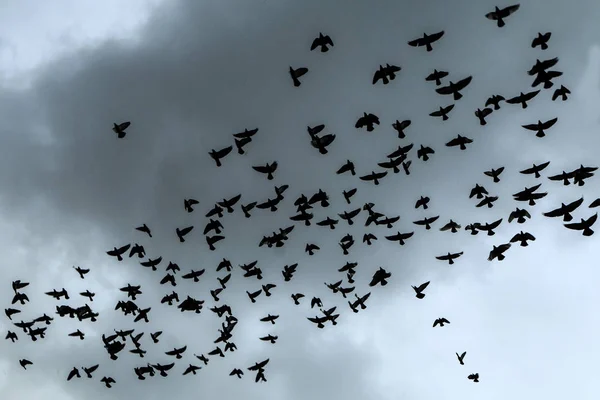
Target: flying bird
{"points": [[297, 73], [119, 129], [436, 76], [323, 41], [541, 40], [585, 225], [540, 127], [218, 155], [535, 169], [427, 40], [455, 88], [499, 15]]}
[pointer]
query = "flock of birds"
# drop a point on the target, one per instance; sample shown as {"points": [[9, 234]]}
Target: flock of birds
{"points": [[396, 161]]}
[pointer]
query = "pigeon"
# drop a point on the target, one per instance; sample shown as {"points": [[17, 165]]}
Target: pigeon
{"points": [[323, 41], [541, 40], [218, 155], [297, 73], [419, 290], [119, 129], [427, 40], [499, 15]]}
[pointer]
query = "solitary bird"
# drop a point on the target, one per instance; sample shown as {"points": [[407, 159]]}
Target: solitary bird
{"points": [[499, 15], [368, 120], [419, 290], [461, 357], [436, 76], [541, 40], [455, 88], [540, 127], [440, 322], [427, 40], [119, 129], [297, 73], [323, 41]]}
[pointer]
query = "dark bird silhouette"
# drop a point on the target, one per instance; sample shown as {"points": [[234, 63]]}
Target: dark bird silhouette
{"points": [[535, 169], [400, 237], [17, 285], [74, 373], [494, 101], [461, 357], [424, 153], [108, 381], [310, 248], [323, 41], [182, 232], [419, 290], [268, 169], [541, 40], [119, 129], [248, 207], [331, 223], [460, 141], [88, 294], [216, 210], [400, 127], [474, 377], [450, 257], [374, 177], [520, 215], [443, 112], [564, 176], [218, 155], [368, 238], [523, 98], [24, 363], [269, 338], [211, 240], [163, 368], [151, 263], [252, 296], [481, 114], [90, 370], [10, 312], [595, 203], [347, 167], [540, 127], [176, 352], [561, 92], [565, 211], [11, 336], [522, 237], [436, 76], [296, 297], [426, 222], [117, 252], [349, 215], [489, 227], [237, 372], [296, 74], [455, 88], [137, 249], [499, 15], [228, 204], [348, 194], [498, 252], [155, 336], [270, 318], [189, 204], [402, 151], [529, 195], [195, 275], [82, 272], [585, 225], [144, 228], [440, 322], [386, 74], [494, 174], [423, 202], [426, 40], [368, 120], [380, 276], [191, 368], [213, 225], [451, 226], [541, 66]]}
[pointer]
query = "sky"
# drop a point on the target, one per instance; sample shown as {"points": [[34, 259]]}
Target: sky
{"points": [[189, 74]]}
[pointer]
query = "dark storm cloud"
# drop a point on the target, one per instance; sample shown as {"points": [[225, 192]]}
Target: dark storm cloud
{"points": [[198, 74]]}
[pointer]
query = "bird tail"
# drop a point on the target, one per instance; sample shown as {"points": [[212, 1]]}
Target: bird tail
{"points": [[420, 295], [457, 96], [500, 23], [567, 217], [524, 244], [501, 257], [588, 232]]}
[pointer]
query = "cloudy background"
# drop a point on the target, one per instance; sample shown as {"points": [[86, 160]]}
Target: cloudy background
{"points": [[188, 74]]}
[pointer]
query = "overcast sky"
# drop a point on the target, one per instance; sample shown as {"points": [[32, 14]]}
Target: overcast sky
{"points": [[189, 74]]}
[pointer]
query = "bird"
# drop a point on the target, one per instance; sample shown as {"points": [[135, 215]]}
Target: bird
{"points": [[498, 252], [450, 257], [419, 290], [347, 167], [535, 169], [541, 40], [451, 226], [455, 88], [461, 357], [522, 237], [565, 210], [218, 155], [494, 101], [499, 15], [474, 377], [436, 76], [188, 204], [561, 92], [367, 120], [108, 381], [523, 98], [481, 114], [24, 363], [442, 112], [182, 232], [440, 322], [540, 126], [323, 41], [82, 272], [423, 202], [144, 228], [268, 169], [585, 225], [494, 174], [400, 127], [424, 152], [297, 73], [460, 141], [119, 129], [426, 40], [386, 74]]}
